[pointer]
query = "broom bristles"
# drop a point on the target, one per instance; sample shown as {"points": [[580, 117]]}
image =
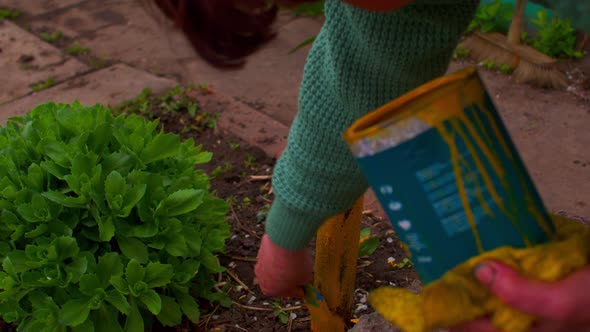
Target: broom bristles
{"points": [[530, 66], [484, 47]]}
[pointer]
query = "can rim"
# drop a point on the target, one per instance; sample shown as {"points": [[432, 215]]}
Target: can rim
{"points": [[368, 125]]}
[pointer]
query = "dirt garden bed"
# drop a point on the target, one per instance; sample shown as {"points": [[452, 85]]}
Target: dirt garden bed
{"points": [[241, 175]]}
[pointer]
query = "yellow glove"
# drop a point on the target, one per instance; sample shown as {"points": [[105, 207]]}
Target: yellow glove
{"points": [[458, 297]]}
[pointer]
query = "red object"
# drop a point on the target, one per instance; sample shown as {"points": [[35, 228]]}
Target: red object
{"points": [[223, 32], [281, 272], [379, 5]]}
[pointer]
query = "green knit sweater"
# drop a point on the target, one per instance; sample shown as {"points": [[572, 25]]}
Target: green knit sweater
{"points": [[359, 61]]}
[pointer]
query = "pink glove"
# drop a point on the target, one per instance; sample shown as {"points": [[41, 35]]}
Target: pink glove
{"points": [[281, 272]]}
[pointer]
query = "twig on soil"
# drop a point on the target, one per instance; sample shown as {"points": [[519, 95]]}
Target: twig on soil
{"points": [[240, 225], [265, 309], [364, 264], [260, 177], [251, 308], [244, 259], [206, 323], [290, 326], [220, 284], [304, 319], [235, 277]]}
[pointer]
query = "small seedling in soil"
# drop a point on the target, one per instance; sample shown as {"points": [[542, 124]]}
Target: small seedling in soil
{"points": [[263, 213], [368, 244], [234, 146], [405, 263], [245, 203], [231, 200], [98, 63], [461, 52], [51, 38], [39, 86], [139, 105], [9, 14], [506, 69], [219, 170], [76, 49], [280, 313], [488, 64], [250, 162]]}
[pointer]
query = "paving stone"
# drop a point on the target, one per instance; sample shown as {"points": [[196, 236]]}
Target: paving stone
{"points": [[25, 60], [84, 19], [38, 7], [108, 86], [270, 80]]}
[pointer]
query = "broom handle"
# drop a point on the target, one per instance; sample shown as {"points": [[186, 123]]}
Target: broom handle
{"points": [[517, 23]]}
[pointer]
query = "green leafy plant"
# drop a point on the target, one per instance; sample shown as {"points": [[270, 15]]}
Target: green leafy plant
{"points": [[106, 224], [6, 13], [555, 37], [280, 313], [506, 69], [262, 213], [492, 17], [220, 170], [368, 244], [489, 64], [461, 52], [309, 9], [51, 38], [234, 146], [46, 84], [76, 49]]}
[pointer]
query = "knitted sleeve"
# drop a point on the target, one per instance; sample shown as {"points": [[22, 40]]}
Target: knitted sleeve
{"points": [[577, 11], [359, 61]]}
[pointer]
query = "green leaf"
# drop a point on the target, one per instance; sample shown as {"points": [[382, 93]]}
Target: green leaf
{"points": [[210, 261], [109, 265], [170, 315], [134, 272], [106, 229], [77, 268], [74, 312], [87, 326], [180, 202], [118, 300], [89, 283], [133, 248], [134, 322], [306, 42], [158, 275], [67, 201], [115, 189], [106, 319], [131, 199], [163, 146], [189, 306], [152, 301], [368, 247]]}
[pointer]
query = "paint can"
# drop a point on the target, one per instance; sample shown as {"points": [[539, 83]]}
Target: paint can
{"points": [[449, 177]]}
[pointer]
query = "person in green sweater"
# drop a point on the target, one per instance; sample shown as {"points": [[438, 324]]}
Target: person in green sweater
{"points": [[360, 60]]}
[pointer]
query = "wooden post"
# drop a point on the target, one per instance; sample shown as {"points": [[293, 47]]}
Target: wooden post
{"points": [[335, 270]]}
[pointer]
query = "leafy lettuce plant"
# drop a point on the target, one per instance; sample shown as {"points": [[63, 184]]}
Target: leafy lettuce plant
{"points": [[105, 223], [556, 37]]}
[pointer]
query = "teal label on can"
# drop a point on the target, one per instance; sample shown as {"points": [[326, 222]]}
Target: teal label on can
{"points": [[457, 189]]}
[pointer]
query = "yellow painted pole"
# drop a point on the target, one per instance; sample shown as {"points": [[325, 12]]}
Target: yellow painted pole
{"points": [[335, 270]]}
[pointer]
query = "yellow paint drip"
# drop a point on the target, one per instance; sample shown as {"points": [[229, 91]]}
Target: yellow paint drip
{"points": [[458, 297], [442, 103]]}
